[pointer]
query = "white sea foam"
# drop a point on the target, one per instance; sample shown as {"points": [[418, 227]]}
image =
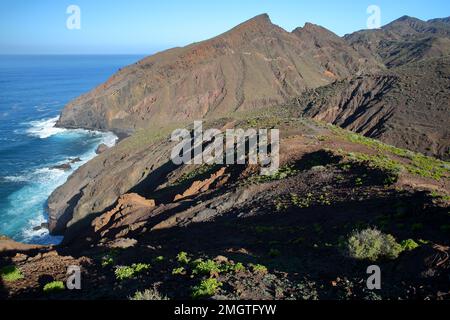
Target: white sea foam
{"points": [[40, 183], [44, 128]]}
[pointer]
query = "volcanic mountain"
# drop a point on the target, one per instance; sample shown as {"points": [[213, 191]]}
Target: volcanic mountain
{"points": [[404, 40], [254, 65], [133, 220]]}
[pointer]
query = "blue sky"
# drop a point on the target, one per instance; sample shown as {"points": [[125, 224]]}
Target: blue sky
{"points": [[147, 26]]}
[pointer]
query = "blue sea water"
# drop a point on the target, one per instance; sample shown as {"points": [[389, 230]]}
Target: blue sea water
{"points": [[33, 90]]}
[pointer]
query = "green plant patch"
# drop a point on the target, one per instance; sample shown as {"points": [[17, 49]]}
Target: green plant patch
{"points": [[259, 269], [183, 258], [178, 271], [372, 244], [206, 288], [409, 245], [128, 272], [54, 286], [208, 267], [148, 295], [10, 274]]}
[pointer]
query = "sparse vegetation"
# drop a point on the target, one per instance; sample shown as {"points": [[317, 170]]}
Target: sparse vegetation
{"points": [[303, 202], [178, 271], [128, 272], [208, 267], [415, 163], [372, 244], [109, 259], [54, 286], [283, 173], [259, 269], [158, 259], [206, 288], [409, 245], [148, 295], [183, 258], [10, 274], [194, 174]]}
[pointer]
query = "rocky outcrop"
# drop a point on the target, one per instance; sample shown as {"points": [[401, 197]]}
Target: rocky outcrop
{"points": [[128, 203], [7, 245], [101, 148], [216, 179], [97, 185]]}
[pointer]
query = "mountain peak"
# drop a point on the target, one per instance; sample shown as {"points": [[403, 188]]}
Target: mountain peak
{"points": [[314, 30], [406, 20], [262, 18], [259, 22]]}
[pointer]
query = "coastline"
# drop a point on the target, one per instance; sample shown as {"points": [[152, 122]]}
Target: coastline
{"points": [[54, 175]]}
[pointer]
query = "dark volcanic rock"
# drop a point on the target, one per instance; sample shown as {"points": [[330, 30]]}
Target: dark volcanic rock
{"points": [[75, 160], [64, 167]]}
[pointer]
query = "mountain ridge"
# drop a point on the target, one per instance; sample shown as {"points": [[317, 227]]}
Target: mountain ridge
{"points": [[253, 65]]}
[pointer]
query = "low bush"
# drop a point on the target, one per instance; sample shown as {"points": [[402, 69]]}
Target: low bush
{"points": [[372, 244], [54, 286], [206, 288], [128, 272], [148, 295], [10, 274]]}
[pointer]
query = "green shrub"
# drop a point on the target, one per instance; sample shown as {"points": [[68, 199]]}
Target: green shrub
{"points": [[139, 267], [109, 259], [158, 259], [124, 272], [238, 267], [409, 245], [259, 268], [148, 295], [183, 258], [372, 244], [54, 286], [10, 274], [128, 272], [206, 288], [178, 271], [208, 267]]}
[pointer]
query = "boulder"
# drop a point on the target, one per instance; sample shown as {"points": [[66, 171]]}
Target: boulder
{"points": [[63, 167], [101, 148]]}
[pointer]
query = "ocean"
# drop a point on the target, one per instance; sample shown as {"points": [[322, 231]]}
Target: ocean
{"points": [[33, 91]]}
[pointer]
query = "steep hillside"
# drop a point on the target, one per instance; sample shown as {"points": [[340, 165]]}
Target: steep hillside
{"points": [[225, 232], [254, 65], [404, 40], [407, 106]]}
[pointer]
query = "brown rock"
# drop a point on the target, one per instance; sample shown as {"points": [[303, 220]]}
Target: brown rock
{"points": [[126, 203], [201, 186], [101, 148]]}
